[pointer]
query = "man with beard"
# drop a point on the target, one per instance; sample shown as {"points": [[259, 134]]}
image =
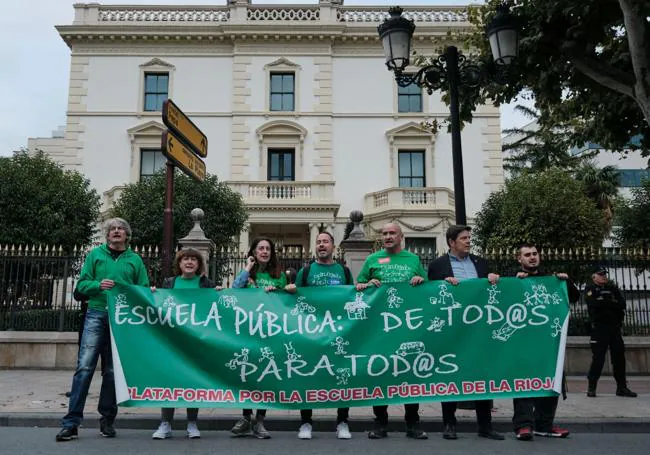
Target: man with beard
{"points": [[393, 264], [454, 267], [108, 264], [536, 415], [324, 271]]}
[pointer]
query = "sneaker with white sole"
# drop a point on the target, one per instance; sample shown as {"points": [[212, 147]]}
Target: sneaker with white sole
{"points": [[259, 430], [343, 431], [305, 431], [192, 430], [242, 428], [164, 431]]}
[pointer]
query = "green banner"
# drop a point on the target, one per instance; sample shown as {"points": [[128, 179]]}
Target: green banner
{"points": [[335, 347]]}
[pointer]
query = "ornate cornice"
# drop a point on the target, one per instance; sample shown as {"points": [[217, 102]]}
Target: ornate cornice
{"points": [[240, 22]]}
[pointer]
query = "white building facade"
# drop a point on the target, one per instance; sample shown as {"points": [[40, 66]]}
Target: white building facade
{"points": [[301, 115]]}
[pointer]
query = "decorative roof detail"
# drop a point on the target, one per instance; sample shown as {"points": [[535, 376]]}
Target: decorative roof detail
{"points": [[157, 62]]}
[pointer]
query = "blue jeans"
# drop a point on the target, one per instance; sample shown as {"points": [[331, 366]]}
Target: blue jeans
{"points": [[95, 340]]}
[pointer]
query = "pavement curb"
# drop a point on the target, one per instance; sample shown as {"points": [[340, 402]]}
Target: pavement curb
{"points": [[224, 423]]}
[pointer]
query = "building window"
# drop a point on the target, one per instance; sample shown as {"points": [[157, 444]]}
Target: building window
{"points": [[282, 92], [151, 161], [281, 166], [631, 178], [425, 245], [156, 90], [409, 99], [411, 169]]}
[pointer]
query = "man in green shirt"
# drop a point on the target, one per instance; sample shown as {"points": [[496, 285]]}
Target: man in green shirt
{"points": [[323, 272], [393, 265], [108, 264]]}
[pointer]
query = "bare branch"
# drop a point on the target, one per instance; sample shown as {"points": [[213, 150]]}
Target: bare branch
{"points": [[635, 29], [603, 74]]}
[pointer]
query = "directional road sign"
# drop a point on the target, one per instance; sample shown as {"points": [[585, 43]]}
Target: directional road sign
{"points": [[181, 155], [184, 128]]}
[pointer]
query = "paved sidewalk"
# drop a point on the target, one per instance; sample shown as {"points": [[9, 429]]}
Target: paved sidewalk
{"points": [[37, 398]]}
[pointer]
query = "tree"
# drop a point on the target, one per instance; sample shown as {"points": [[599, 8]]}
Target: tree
{"points": [[41, 203], [549, 209], [587, 61], [633, 219], [601, 186], [539, 147], [142, 204]]}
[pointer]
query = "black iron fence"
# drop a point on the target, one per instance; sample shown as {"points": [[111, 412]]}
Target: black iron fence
{"points": [[37, 283]]}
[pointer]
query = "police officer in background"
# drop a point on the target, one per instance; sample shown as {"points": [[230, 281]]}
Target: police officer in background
{"points": [[606, 306]]}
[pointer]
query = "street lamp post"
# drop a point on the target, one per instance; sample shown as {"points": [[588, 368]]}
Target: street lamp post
{"points": [[451, 69]]}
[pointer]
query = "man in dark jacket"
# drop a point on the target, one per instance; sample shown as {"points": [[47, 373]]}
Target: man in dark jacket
{"points": [[606, 306], [538, 413], [454, 267]]}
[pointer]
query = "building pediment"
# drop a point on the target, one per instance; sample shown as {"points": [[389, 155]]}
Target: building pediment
{"points": [[409, 130], [282, 63], [281, 128], [158, 63], [147, 129]]}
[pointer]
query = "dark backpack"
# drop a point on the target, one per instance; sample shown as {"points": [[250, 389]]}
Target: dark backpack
{"points": [[305, 275]]}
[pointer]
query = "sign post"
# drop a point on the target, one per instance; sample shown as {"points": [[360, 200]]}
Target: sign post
{"points": [[184, 144]]}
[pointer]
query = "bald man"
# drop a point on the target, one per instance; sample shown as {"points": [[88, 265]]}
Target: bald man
{"points": [[393, 265]]}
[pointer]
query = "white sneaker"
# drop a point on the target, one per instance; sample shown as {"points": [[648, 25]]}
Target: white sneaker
{"points": [[343, 431], [305, 431], [193, 431], [164, 431]]}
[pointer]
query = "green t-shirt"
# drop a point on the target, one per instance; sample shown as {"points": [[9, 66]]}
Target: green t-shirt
{"points": [[391, 268], [187, 283], [323, 275], [263, 279]]}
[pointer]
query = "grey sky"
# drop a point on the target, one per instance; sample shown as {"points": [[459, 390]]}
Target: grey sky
{"points": [[36, 63]]}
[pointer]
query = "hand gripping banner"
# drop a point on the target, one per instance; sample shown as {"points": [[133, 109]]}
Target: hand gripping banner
{"points": [[336, 347]]}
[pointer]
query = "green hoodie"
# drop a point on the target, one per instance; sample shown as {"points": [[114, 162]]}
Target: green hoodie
{"points": [[128, 268]]}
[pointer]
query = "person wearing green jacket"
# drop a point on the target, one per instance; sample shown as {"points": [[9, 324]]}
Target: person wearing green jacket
{"points": [[106, 265], [262, 270]]}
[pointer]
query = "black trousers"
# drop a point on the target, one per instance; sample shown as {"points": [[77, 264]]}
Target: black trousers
{"points": [[483, 414], [411, 414], [603, 338], [342, 415], [259, 412], [535, 413]]}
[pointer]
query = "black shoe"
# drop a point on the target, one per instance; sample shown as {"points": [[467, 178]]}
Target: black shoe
{"points": [[591, 390], [67, 434], [414, 432], [625, 392], [491, 434], [378, 431], [106, 429], [450, 432]]}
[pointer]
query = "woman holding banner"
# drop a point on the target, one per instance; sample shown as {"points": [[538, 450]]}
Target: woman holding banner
{"points": [[190, 270], [262, 270]]}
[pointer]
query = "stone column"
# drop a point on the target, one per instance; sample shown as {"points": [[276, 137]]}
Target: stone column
{"points": [[244, 237], [314, 230], [196, 237], [357, 246]]}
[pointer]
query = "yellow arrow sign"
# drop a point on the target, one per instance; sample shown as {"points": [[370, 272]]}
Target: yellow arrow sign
{"points": [[180, 124], [182, 156]]}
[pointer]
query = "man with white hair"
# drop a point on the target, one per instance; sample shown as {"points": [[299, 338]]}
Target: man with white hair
{"points": [[108, 264]]}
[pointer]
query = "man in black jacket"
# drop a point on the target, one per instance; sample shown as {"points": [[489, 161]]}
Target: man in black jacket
{"points": [[606, 306], [538, 413], [454, 267]]}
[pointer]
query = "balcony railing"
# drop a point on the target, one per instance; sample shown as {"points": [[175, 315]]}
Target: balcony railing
{"points": [[289, 192], [409, 199], [95, 13]]}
